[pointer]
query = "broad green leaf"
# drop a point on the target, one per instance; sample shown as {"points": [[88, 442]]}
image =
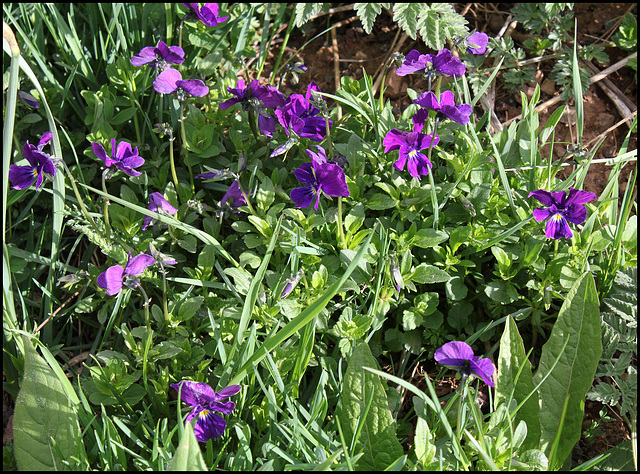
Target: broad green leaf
{"points": [[579, 321], [429, 274], [427, 238], [42, 413], [512, 357], [377, 438], [188, 456]]}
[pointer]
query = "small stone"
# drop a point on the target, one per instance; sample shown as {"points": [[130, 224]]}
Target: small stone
{"points": [[548, 86]]}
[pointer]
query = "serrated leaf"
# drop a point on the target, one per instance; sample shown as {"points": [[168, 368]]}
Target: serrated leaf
{"points": [[512, 357], [579, 321], [42, 413], [406, 16], [188, 456], [377, 440], [368, 12], [306, 11]]}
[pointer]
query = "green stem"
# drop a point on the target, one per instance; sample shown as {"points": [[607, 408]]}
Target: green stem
{"points": [[252, 123], [434, 194], [183, 134], [173, 165], [343, 241], [246, 198], [147, 321], [107, 226]]}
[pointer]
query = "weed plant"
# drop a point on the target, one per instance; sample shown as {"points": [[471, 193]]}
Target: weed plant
{"points": [[200, 271]]}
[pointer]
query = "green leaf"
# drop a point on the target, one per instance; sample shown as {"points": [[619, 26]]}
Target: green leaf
{"points": [[43, 413], [379, 202], [429, 274], [427, 238], [579, 321], [512, 357], [306, 11], [189, 307], [406, 16], [377, 438], [368, 12], [188, 456]]}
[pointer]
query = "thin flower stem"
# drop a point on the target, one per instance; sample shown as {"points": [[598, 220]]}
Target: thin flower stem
{"points": [[173, 165], [165, 305], [107, 226], [252, 123], [183, 134], [434, 194], [147, 321], [343, 241], [246, 198]]}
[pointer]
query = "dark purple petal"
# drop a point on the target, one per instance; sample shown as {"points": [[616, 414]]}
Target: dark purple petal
{"points": [[146, 55], [194, 87], [46, 138], [418, 164], [234, 193], [267, 125], [228, 103], [460, 113], [477, 43], [195, 393], [413, 62], [314, 128], [166, 81], [101, 153], [579, 197], [557, 227], [138, 264], [22, 176], [209, 426], [542, 214], [545, 197], [447, 64], [484, 368], [111, 280], [303, 196], [29, 99], [394, 139], [453, 354], [429, 100], [575, 213], [229, 391], [311, 88], [173, 54], [305, 174], [209, 15], [332, 180], [317, 158]]}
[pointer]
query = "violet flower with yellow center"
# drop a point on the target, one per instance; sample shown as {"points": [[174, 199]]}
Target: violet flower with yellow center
{"points": [[562, 208]]}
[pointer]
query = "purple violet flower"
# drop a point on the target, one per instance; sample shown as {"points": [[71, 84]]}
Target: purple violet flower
{"points": [[291, 284], [28, 99], [205, 402], [157, 203], [158, 56], [476, 43], [115, 277], [446, 108], [170, 80], [269, 96], [235, 194], [299, 116], [459, 355], [410, 145], [318, 177], [208, 13], [40, 164], [562, 207], [122, 157], [442, 63]]}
